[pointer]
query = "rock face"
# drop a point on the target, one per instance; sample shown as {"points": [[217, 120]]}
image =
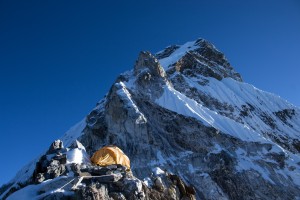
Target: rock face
{"points": [[186, 110]]}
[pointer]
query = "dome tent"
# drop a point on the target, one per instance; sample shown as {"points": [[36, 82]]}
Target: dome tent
{"points": [[110, 155]]}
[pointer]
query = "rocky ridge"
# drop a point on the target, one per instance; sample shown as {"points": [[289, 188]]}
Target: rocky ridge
{"points": [[58, 175]]}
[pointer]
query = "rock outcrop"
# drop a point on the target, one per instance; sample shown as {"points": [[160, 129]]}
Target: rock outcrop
{"points": [[57, 176]]}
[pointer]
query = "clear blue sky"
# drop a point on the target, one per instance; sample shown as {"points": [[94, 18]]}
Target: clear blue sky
{"points": [[58, 58]]}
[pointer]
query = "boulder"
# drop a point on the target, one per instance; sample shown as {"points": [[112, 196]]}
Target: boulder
{"points": [[55, 147]]}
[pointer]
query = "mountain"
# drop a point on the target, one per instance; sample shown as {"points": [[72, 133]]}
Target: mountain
{"points": [[185, 111]]}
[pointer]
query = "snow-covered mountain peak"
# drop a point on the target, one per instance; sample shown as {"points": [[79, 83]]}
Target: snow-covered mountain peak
{"points": [[187, 111], [198, 57]]}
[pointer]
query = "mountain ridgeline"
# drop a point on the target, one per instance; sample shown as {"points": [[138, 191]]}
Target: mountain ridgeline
{"points": [[192, 130]]}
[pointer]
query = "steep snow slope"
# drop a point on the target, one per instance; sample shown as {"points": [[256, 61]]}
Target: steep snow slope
{"points": [[188, 111]]}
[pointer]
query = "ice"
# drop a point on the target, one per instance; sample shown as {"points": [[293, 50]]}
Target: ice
{"points": [[158, 171], [77, 156], [177, 102], [229, 91]]}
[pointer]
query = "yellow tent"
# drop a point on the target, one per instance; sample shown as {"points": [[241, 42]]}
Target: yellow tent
{"points": [[110, 155]]}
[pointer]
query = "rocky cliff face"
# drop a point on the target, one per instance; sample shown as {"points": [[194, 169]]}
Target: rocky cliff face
{"points": [[187, 111]]}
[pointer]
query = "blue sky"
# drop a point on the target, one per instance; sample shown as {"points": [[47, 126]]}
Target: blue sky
{"points": [[58, 58]]}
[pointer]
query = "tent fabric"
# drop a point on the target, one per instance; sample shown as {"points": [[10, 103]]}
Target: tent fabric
{"points": [[110, 155]]}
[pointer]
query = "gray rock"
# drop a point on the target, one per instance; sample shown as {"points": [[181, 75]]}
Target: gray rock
{"points": [[108, 178], [133, 188], [62, 158], [40, 178], [117, 196], [92, 192], [79, 171], [159, 184], [166, 52], [147, 61], [54, 169], [55, 147]]}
